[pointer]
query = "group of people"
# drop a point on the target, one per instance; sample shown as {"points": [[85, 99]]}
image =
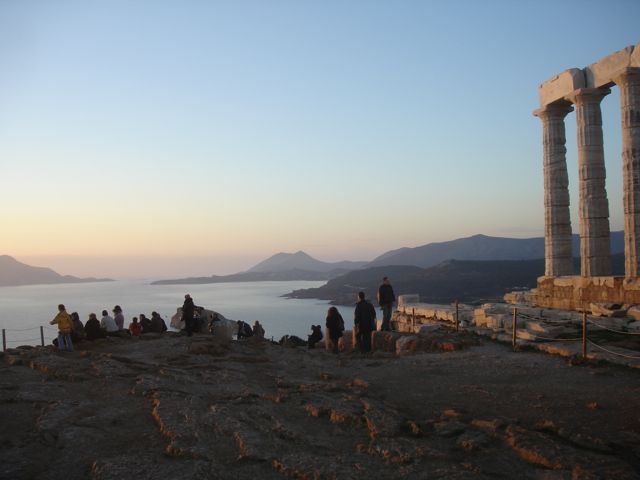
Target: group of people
{"points": [[195, 320], [71, 330], [364, 319]]}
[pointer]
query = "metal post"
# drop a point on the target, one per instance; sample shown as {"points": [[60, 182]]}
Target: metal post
{"points": [[584, 335], [4, 340], [42, 335], [413, 320], [457, 318], [515, 327]]}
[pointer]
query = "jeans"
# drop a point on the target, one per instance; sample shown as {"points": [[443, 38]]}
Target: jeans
{"points": [[64, 342], [364, 341], [386, 316]]}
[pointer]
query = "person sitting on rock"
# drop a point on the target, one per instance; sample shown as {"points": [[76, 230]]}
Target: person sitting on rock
{"points": [[108, 324], [244, 330], [92, 328], [118, 317], [315, 337], [134, 327], [258, 331], [158, 324], [78, 333], [145, 324]]}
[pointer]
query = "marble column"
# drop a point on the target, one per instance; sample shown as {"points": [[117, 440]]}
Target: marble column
{"points": [[595, 250], [557, 219], [629, 84]]}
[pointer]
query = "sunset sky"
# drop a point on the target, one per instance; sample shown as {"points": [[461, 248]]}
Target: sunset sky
{"points": [[169, 138]]}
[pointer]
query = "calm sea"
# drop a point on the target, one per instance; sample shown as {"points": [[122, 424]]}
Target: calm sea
{"points": [[24, 309]]}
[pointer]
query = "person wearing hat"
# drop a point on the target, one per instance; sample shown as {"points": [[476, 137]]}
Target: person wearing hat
{"points": [[118, 317]]}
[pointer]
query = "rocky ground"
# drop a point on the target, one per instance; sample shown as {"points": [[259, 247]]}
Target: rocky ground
{"points": [[192, 408]]}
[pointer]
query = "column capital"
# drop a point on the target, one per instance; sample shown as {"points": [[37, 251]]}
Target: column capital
{"points": [[558, 109], [627, 74], [583, 95]]}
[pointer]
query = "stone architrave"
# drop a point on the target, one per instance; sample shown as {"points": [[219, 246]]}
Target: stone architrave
{"points": [[595, 249], [557, 219], [629, 83]]}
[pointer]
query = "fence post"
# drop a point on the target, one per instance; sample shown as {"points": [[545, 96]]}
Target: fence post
{"points": [[457, 317], [4, 340], [42, 335], [584, 335], [515, 327]]}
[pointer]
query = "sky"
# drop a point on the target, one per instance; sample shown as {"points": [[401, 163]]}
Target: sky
{"points": [[175, 138]]}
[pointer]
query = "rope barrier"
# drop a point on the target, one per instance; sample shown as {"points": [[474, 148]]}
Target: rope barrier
{"points": [[23, 340], [611, 329], [22, 329], [538, 337], [612, 352]]}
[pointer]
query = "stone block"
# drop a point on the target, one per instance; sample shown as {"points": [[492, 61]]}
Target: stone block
{"points": [[346, 343], [635, 56], [526, 335], [385, 341], [634, 312], [558, 87], [607, 310], [545, 330], [633, 327], [602, 72], [594, 210], [425, 330], [613, 323], [407, 344]]}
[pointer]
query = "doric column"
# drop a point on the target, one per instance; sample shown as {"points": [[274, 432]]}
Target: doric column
{"points": [[595, 250], [629, 83], [557, 220]]}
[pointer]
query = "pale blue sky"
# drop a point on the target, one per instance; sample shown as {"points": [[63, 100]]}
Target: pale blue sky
{"points": [[233, 130]]}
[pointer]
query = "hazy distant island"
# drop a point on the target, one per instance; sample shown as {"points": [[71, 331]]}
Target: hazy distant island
{"points": [[14, 273], [279, 267]]}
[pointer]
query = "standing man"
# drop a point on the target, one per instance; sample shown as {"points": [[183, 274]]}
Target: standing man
{"points": [[187, 314], [386, 297], [364, 320], [65, 327]]}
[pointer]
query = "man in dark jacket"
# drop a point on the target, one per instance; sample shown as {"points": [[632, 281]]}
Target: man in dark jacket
{"points": [[187, 314], [386, 297], [364, 320]]}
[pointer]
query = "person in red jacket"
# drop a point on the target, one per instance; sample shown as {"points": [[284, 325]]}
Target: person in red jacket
{"points": [[135, 328]]}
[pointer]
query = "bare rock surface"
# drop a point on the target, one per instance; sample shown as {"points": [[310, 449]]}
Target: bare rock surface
{"points": [[195, 408]]}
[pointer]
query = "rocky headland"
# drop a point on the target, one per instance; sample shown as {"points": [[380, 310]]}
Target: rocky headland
{"points": [[196, 408]]}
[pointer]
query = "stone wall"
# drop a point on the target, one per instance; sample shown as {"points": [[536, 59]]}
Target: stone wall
{"points": [[577, 293]]}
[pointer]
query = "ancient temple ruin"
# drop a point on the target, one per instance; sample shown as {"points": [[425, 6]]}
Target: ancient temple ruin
{"points": [[583, 90]]}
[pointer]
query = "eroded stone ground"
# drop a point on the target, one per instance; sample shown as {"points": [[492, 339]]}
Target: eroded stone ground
{"points": [[179, 407]]}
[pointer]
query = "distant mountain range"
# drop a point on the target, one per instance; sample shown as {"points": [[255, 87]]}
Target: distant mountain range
{"points": [[468, 281], [14, 273], [301, 266], [479, 247]]}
